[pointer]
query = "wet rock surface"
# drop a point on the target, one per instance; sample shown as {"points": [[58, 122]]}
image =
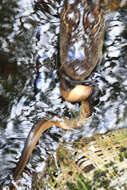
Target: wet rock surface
{"points": [[98, 162]]}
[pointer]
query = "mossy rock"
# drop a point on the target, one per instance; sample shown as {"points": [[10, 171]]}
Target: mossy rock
{"points": [[99, 162]]}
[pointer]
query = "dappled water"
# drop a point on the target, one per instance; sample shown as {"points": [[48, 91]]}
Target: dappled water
{"points": [[29, 83]]}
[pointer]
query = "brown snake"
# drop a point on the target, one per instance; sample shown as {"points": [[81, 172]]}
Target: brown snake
{"points": [[81, 41]]}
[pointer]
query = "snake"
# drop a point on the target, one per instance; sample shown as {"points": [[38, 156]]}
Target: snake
{"points": [[82, 28]]}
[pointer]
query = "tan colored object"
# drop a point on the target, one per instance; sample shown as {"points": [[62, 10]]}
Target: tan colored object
{"points": [[77, 94]]}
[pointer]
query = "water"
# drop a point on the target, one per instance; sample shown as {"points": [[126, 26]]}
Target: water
{"points": [[29, 83]]}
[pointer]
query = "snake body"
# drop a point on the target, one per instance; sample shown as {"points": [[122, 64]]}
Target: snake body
{"points": [[42, 125], [32, 140]]}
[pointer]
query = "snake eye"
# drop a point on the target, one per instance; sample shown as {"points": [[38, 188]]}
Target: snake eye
{"points": [[72, 19], [90, 21]]}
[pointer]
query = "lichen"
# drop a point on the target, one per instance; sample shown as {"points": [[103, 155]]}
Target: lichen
{"points": [[104, 156]]}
